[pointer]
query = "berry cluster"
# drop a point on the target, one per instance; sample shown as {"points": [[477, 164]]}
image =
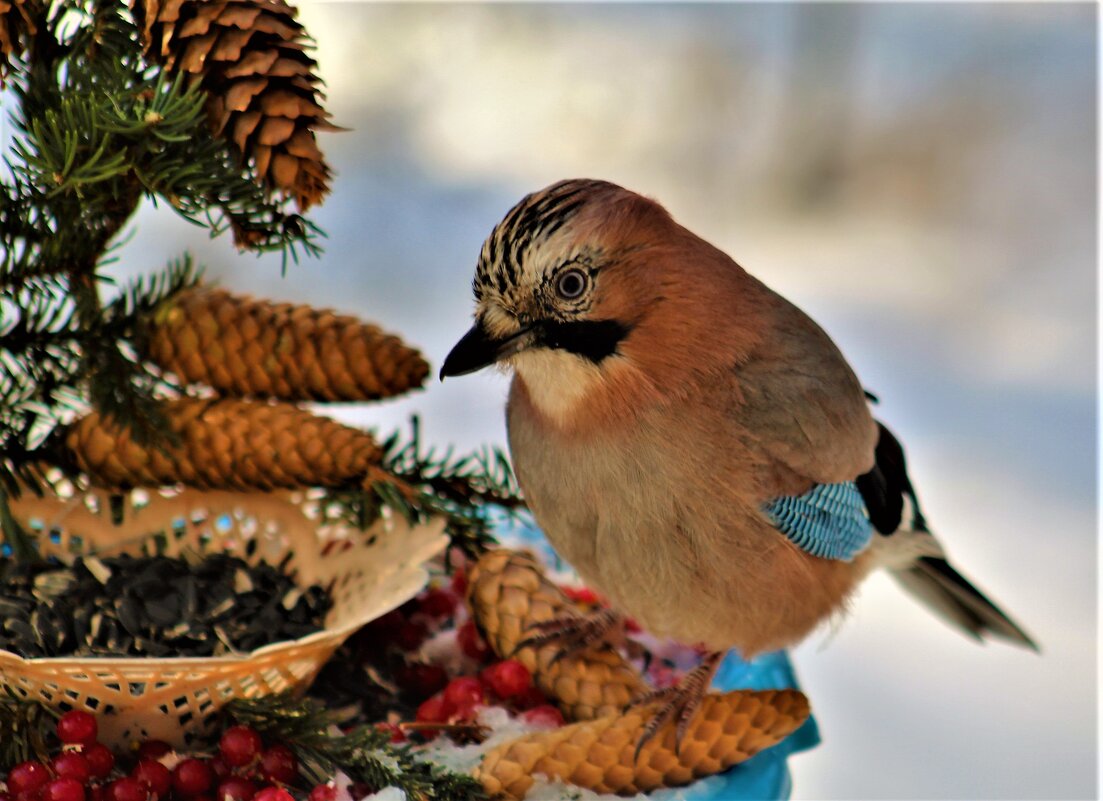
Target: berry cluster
{"points": [[447, 696], [87, 770]]}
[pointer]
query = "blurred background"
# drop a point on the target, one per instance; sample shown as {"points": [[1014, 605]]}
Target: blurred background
{"points": [[921, 179]]}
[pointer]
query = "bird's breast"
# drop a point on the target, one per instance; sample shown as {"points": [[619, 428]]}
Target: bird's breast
{"points": [[654, 515]]}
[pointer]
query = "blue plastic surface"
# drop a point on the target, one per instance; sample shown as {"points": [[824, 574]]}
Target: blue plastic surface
{"points": [[764, 776]]}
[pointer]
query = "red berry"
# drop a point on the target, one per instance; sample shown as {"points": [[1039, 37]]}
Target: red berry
{"points": [[508, 678], [100, 760], [127, 789], [96, 792], [64, 789], [236, 788], [154, 775], [396, 732], [546, 715], [434, 710], [465, 691], [28, 777], [437, 603], [153, 749], [239, 746], [529, 698], [273, 794], [279, 764], [459, 582], [471, 643], [323, 792], [192, 777], [219, 768], [410, 635], [77, 726], [71, 765], [582, 595], [421, 680]]}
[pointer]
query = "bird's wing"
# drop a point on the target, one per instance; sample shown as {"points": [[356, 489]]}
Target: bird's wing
{"points": [[829, 521], [801, 402]]}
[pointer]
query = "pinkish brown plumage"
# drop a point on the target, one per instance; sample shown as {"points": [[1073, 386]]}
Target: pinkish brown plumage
{"points": [[690, 441]]}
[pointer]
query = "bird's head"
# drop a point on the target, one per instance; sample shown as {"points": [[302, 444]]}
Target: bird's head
{"points": [[586, 285]]}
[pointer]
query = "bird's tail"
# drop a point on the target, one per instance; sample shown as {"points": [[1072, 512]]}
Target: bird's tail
{"points": [[936, 583]]}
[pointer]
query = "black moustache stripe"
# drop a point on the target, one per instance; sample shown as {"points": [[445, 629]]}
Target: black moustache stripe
{"points": [[595, 340]]}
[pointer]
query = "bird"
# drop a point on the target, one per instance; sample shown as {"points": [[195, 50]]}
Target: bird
{"points": [[691, 442]]}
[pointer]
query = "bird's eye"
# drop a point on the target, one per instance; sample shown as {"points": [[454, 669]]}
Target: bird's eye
{"points": [[571, 284]]}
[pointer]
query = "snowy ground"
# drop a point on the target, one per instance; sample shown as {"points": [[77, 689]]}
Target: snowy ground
{"points": [[921, 179]]}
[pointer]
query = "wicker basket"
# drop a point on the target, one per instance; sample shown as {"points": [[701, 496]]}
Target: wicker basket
{"points": [[367, 573]]}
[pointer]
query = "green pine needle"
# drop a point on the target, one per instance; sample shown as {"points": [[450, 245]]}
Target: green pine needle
{"points": [[365, 753]]}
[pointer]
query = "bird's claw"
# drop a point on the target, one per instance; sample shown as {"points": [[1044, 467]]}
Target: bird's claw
{"points": [[681, 702], [576, 633]]}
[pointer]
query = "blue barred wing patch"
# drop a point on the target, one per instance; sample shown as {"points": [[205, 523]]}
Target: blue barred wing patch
{"points": [[830, 520]]}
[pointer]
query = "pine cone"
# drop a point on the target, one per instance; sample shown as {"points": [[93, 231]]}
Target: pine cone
{"points": [[241, 346], [507, 593], [226, 444], [264, 95], [15, 25], [599, 755]]}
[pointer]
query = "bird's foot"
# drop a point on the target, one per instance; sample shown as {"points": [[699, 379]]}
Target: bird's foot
{"points": [[680, 701], [576, 633]]}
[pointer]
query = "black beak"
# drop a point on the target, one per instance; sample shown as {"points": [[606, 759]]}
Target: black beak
{"points": [[478, 350]]}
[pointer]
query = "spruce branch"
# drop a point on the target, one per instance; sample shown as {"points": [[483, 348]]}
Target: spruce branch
{"points": [[365, 753], [26, 730], [462, 489]]}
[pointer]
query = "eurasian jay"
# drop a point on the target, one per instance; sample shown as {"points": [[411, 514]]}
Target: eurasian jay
{"points": [[691, 442]]}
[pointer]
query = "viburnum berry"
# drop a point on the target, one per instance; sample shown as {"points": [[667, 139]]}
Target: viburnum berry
{"points": [[100, 760], [278, 763], [26, 777], [410, 635], [459, 582], [421, 680], [529, 698], [507, 678], [434, 710], [463, 694], [546, 715], [323, 792], [153, 749], [63, 789], [582, 595], [127, 789], [239, 746], [471, 643], [77, 727], [154, 775], [219, 768], [396, 732], [273, 794], [437, 603], [236, 788], [71, 765], [192, 777]]}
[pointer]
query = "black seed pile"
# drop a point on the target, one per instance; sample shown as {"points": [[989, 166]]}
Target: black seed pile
{"points": [[153, 606]]}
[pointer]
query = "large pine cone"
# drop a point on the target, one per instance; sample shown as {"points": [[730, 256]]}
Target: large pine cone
{"points": [[264, 96], [226, 444], [600, 755], [241, 346], [507, 593]]}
